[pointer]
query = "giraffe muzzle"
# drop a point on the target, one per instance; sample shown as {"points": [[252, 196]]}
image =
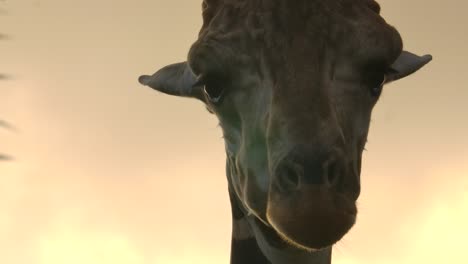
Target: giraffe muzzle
{"points": [[311, 202]]}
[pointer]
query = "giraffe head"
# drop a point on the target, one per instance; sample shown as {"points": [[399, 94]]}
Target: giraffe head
{"points": [[293, 84]]}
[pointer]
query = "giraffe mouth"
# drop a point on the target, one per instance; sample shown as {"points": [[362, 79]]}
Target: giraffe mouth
{"points": [[312, 218]]}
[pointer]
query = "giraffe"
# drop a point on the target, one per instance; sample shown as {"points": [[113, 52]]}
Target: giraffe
{"points": [[293, 84]]}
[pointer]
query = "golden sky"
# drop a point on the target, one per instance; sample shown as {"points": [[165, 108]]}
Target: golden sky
{"points": [[110, 172]]}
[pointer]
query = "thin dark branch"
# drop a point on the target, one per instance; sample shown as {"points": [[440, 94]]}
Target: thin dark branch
{"points": [[6, 125], [3, 123], [4, 157], [4, 77]]}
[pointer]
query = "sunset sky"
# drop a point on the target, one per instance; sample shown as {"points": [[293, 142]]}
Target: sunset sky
{"points": [[110, 172]]}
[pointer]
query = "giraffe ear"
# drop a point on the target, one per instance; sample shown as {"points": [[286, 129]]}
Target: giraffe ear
{"points": [[175, 79], [406, 64]]}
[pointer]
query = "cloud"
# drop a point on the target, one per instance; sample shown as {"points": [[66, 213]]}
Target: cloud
{"points": [[70, 243], [435, 233]]}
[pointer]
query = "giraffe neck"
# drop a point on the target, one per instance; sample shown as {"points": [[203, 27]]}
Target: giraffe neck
{"points": [[254, 242]]}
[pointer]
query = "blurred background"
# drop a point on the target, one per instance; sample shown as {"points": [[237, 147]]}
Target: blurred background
{"points": [[108, 171]]}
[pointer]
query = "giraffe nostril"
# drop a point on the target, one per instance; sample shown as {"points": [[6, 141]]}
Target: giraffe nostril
{"points": [[288, 177], [333, 172]]}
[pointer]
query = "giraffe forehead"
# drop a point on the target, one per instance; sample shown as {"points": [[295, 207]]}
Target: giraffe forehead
{"points": [[288, 31]]}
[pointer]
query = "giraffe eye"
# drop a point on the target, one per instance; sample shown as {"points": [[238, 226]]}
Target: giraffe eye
{"points": [[213, 92], [212, 88]]}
